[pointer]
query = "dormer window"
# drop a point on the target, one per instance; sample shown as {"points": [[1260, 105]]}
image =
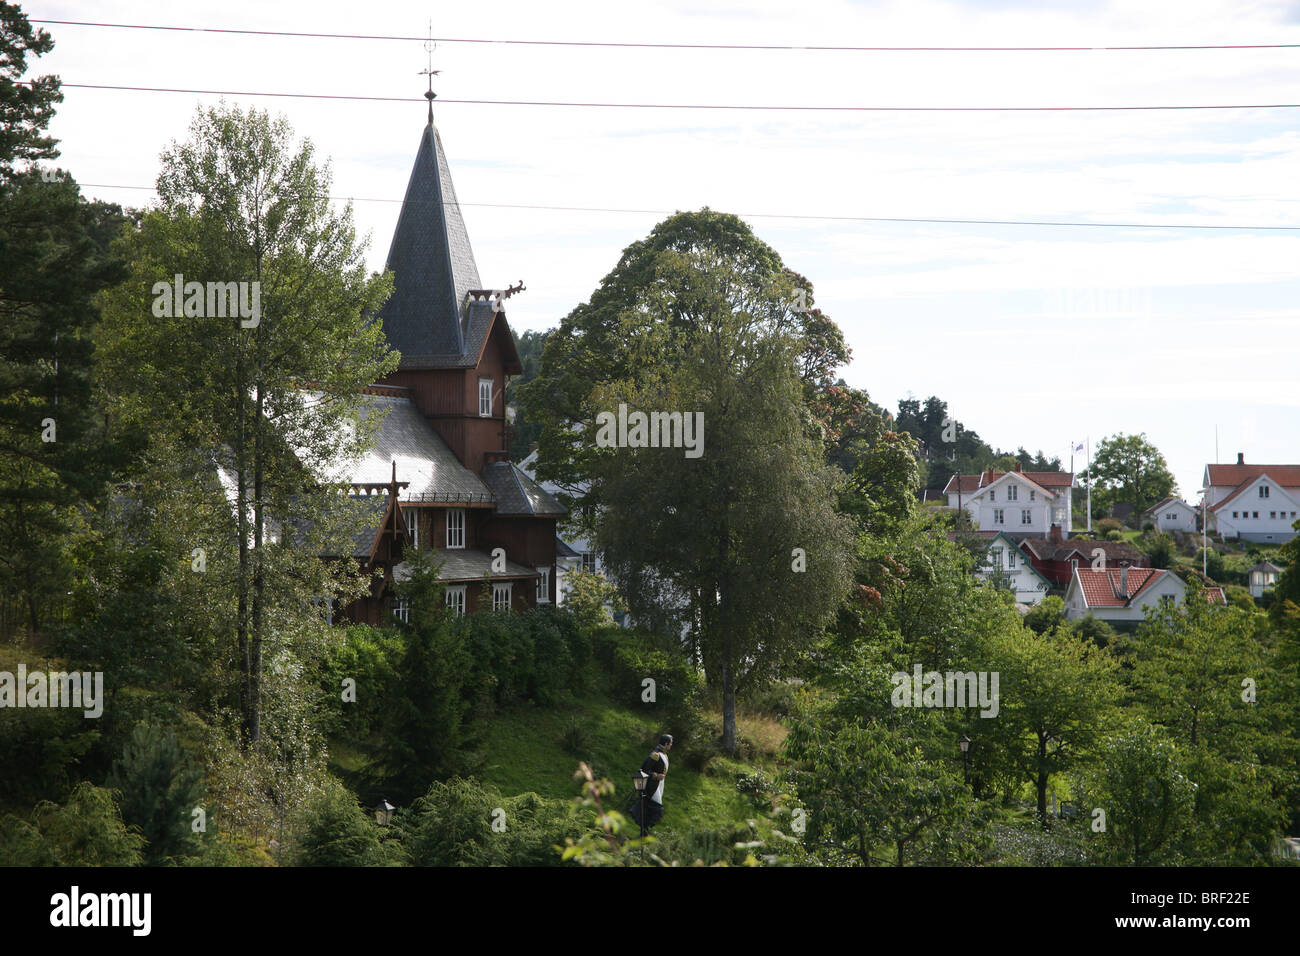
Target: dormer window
{"points": [[485, 397], [456, 528]]}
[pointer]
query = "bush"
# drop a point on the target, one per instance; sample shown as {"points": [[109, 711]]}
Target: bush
{"points": [[1107, 525], [86, 831], [333, 830]]}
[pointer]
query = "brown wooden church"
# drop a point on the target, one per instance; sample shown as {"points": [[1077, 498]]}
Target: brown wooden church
{"points": [[438, 476]]}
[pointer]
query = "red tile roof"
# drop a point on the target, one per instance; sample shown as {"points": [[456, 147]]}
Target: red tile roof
{"points": [[1288, 476], [1101, 588], [1248, 483], [1215, 595]]}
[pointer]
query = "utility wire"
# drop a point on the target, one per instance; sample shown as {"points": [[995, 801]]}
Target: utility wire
{"points": [[773, 215], [692, 106], [682, 46]]}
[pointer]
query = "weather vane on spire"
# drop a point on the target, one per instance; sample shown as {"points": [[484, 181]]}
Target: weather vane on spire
{"points": [[430, 72]]}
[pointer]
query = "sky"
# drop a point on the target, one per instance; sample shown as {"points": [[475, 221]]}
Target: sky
{"points": [[1036, 336]]}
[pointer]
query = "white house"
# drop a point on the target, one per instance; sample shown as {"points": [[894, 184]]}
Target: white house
{"points": [[1122, 594], [1173, 514], [1018, 503], [1253, 502], [1005, 564]]}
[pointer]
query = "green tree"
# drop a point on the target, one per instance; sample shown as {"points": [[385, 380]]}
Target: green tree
{"points": [[1138, 782], [271, 394], [1129, 468], [55, 450], [159, 790], [1057, 696], [87, 830], [335, 831]]}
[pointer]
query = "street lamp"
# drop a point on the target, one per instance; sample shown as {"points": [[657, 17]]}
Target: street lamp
{"points": [[384, 812], [964, 744], [639, 781]]}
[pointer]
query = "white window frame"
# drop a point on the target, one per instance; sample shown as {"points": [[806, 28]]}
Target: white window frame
{"points": [[413, 527], [455, 528], [1026, 516], [998, 516], [544, 586], [1011, 559], [402, 610], [485, 400], [455, 597], [502, 589], [1012, 493], [589, 558]]}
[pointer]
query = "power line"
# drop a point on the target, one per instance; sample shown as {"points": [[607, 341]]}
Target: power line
{"points": [[774, 215], [683, 46], [693, 106]]}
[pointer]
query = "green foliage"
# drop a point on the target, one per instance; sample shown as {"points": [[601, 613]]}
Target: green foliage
{"points": [[465, 823], [1139, 781], [334, 831], [159, 788], [1046, 615], [589, 599], [86, 831], [1129, 468]]}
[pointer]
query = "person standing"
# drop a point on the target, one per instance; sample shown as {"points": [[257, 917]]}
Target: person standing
{"points": [[655, 768]]}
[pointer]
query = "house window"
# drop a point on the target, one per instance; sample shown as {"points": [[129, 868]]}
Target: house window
{"points": [[997, 516], [1011, 560], [995, 558], [1234, 514], [1074, 564], [485, 397], [589, 561], [1012, 491], [1263, 491], [501, 596], [1255, 514], [993, 496], [544, 586], [402, 610], [1273, 515], [413, 528], [456, 600], [1032, 494], [456, 528], [1026, 516]]}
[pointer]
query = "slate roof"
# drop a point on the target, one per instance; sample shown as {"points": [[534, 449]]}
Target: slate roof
{"points": [[1048, 550], [562, 550], [517, 494], [373, 508], [423, 459], [426, 318], [467, 564]]}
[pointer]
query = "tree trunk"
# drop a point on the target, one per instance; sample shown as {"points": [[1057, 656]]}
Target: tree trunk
{"points": [[728, 702], [259, 575], [1041, 782]]}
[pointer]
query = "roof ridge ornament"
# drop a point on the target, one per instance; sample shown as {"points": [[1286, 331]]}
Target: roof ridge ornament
{"points": [[429, 71]]}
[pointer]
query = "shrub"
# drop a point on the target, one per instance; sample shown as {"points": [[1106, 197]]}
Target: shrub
{"points": [[333, 830], [159, 789], [1107, 525]]}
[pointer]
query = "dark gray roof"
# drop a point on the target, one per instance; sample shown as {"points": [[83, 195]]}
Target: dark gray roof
{"points": [[562, 550], [423, 458], [517, 494], [466, 564], [433, 267]]}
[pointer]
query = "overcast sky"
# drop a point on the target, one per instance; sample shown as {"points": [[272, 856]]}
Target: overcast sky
{"points": [[1035, 336]]}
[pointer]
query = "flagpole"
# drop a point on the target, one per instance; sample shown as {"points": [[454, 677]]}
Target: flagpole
{"points": [[1089, 441]]}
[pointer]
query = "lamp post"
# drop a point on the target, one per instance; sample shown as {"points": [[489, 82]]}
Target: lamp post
{"points": [[384, 812], [964, 744], [639, 781]]}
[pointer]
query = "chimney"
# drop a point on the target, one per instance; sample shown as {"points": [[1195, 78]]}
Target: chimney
{"points": [[1055, 534], [1018, 468], [1241, 458], [1123, 580]]}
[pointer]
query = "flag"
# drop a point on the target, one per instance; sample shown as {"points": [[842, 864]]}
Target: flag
{"points": [[1078, 447]]}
